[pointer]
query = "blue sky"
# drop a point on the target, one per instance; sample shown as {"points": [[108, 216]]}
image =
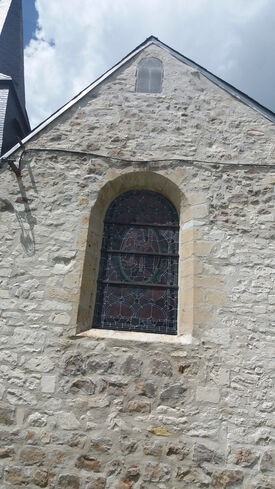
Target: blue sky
{"points": [[233, 39], [30, 17]]}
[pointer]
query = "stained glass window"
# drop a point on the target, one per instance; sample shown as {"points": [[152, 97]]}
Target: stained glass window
{"points": [[138, 275], [149, 76]]}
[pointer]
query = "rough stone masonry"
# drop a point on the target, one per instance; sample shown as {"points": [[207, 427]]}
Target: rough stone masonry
{"points": [[96, 410]]}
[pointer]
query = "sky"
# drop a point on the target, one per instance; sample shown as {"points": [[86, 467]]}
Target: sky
{"points": [[68, 44]]}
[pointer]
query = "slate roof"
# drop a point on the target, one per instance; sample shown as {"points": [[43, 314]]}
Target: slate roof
{"points": [[149, 41], [4, 8], [5, 77]]}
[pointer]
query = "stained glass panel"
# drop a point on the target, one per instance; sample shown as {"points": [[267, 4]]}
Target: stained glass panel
{"points": [[137, 285]]}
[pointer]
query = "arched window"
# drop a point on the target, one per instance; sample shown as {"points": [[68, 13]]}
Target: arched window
{"points": [[138, 275], [149, 76]]}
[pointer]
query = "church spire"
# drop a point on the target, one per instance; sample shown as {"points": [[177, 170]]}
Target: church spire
{"points": [[11, 44], [14, 124]]}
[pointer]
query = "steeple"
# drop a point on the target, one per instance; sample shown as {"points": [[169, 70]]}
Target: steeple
{"points": [[11, 44], [14, 122]]}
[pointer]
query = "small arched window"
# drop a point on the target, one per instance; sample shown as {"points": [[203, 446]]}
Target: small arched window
{"points": [[149, 76], [138, 275]]}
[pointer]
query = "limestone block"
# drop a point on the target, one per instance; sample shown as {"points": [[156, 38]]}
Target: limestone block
{"points": [[208, 394], [48, 383], [67, 421]]}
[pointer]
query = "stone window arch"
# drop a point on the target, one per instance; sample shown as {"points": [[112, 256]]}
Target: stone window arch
{"points": [[89, 250], [138, 274], [149, 76]]}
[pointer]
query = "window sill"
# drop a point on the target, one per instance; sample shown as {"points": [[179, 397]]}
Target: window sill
{"points": [[143, 337]]}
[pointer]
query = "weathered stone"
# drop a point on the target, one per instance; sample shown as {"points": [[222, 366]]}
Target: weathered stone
{"points": [[146, 389], [68, 481], [203, 454], [154, 449], [191, 475], [182, 472], [162, 368], [124, 484], [97, 483], [100, 367], [260, 482], [48, 383], [267, 463], [133, 472], [208, 394], [16, 475], [128, 445], [174, 391], [39, 364], [101, 445], [6, 416], [88, 463], [40, 478], [114, 467], [139, 406], [37, 419], [74, 365], [157, 472], [227, 478], [6, 452], [67, 421], [31, 455], [56, 457], [244, 457], [180, 450], [82, 385], [131, 366], [158, 430]]}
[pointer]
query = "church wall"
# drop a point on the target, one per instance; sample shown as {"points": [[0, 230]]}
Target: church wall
{"points": [[121, 412], [191, 119]]}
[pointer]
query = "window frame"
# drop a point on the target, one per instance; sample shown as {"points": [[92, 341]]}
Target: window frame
{"points": [[89, 243], [149, 79], [158, 296]]}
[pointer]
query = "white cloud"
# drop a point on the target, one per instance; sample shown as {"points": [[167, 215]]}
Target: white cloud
{"points": [[78, 40]]}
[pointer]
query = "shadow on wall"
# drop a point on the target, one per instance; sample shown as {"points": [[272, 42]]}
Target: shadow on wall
{"points": [[25, 218]]}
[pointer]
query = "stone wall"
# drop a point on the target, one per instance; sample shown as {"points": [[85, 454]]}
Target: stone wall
{"points": [[140, 412]]}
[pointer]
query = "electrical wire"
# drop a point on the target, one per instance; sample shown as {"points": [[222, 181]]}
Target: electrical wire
{"points": [[133, 161]]}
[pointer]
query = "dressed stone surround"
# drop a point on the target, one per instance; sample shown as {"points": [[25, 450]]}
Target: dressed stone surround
{"points": [[92, 410]]}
